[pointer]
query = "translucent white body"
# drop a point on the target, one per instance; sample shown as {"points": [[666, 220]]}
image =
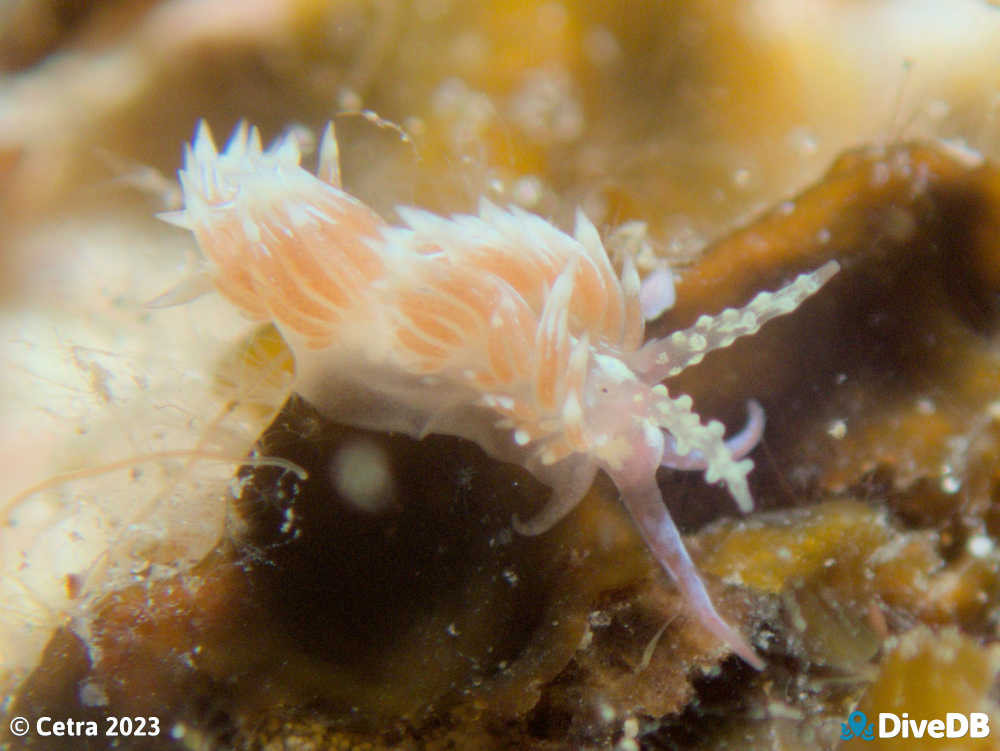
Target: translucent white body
{"points": [[499, 328]]}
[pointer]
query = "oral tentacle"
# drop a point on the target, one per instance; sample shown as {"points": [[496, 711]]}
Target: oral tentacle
{"points": [[645, 504], [565, 497]]}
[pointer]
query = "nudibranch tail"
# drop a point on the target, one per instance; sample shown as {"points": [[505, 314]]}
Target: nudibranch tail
{"points": [[662, 358], [645, 504]]}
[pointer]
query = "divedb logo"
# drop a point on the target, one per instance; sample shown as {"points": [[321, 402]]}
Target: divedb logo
{"points": [[891, 725]]}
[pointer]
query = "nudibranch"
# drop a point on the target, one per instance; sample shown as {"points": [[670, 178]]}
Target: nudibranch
{"points": [[498, 328]]}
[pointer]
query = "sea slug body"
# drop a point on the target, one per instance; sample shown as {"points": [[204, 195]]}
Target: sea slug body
{"points": [[498, 327]]}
